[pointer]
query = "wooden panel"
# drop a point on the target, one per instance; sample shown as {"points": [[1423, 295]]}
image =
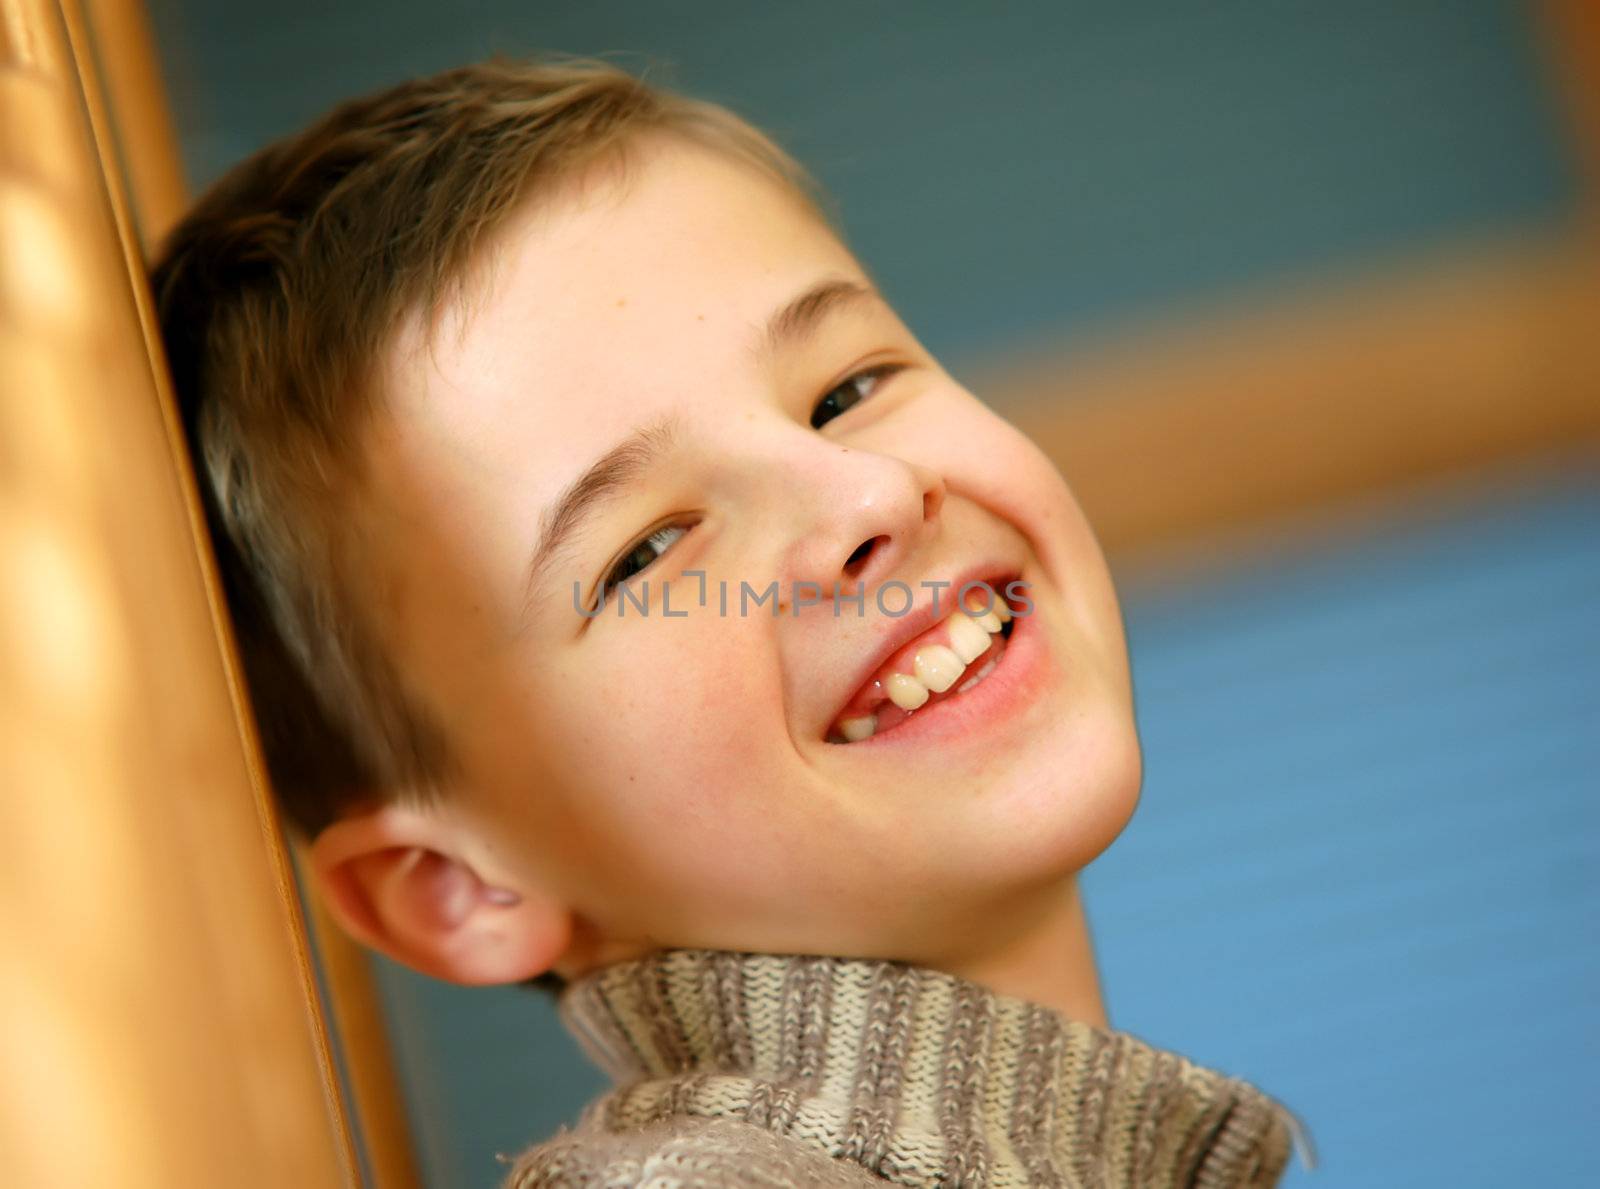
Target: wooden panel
{"points": [[1571, 30], [120, 39], [158, 1019], [1176, 437], [138, 122], [1343, 396]]}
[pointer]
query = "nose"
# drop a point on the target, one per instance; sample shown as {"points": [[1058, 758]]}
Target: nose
{"points": [[863, 514]]}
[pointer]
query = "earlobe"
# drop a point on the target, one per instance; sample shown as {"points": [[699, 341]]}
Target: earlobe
{"points": [[398, 880]]}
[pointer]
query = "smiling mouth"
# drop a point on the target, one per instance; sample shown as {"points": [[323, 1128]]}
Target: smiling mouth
{"points": [[948, 660]]}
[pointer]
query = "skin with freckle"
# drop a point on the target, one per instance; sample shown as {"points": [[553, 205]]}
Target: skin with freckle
{"points": [[668, 779]]}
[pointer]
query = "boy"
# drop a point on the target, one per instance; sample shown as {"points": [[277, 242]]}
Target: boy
{"points": [[632, 604]]}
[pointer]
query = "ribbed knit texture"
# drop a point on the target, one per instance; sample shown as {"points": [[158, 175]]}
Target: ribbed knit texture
{"points": [[761, 1069]]}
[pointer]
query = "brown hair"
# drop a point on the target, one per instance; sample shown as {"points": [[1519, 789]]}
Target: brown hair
{"points": [[277, 294]]}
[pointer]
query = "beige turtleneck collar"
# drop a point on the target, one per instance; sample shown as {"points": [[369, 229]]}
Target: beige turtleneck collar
{"points": [[918, 1076]]}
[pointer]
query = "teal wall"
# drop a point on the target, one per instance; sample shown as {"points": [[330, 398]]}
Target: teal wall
{"points": [[1366, 844], [1008, 170]]}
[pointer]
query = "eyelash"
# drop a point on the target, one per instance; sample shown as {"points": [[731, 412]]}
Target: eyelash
{"points": [[876, 374], [663, 538], [615, 577]]}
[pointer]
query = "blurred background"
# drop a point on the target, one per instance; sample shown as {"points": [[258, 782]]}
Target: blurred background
{"points": [[1220, 257], [1305, 300]]}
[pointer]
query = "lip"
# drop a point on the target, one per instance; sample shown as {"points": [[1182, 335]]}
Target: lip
{"points": [[1001, 700], [902, 630]]}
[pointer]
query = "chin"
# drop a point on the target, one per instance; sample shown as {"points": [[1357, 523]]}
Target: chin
{"points": [[1065, 806]]}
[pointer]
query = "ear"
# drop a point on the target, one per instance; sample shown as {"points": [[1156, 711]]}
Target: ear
{"points": [[399, 879]]}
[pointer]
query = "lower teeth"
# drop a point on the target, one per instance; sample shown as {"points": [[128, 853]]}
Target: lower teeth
{"points": [[977, 677]]}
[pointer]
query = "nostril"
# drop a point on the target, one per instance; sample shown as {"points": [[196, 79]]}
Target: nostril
{"points": [[857, 560]]}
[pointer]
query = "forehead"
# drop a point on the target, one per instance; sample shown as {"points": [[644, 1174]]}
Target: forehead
{"points": [[625, 291]]}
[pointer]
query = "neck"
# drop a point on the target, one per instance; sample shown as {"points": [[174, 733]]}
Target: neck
{"points": [[1046, 956], [1049, 961]]}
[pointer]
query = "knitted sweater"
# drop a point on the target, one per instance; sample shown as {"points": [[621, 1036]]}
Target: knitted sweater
{"points": [[741, 1069]]}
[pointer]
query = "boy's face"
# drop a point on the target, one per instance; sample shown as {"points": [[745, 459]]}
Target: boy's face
{"points": [[679, 779]]}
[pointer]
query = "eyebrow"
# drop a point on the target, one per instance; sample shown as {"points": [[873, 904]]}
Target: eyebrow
{"points": [[799, 319], [615, 470], [606, 478]]}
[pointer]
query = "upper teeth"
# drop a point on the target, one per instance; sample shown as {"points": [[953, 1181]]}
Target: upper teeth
{"points": [[906, 692], [969, 638], [936, 667]]}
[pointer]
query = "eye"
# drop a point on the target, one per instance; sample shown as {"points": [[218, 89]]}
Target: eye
{"points": [[852, 392], [641, 556]]}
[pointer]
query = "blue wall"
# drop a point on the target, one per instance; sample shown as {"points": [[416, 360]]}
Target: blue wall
{"points": [[1363, 869]]}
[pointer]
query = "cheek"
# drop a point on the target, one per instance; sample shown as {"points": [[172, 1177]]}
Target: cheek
{"points": [[989, 460], [654, 736], [1034, 495], [995, 464]]}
